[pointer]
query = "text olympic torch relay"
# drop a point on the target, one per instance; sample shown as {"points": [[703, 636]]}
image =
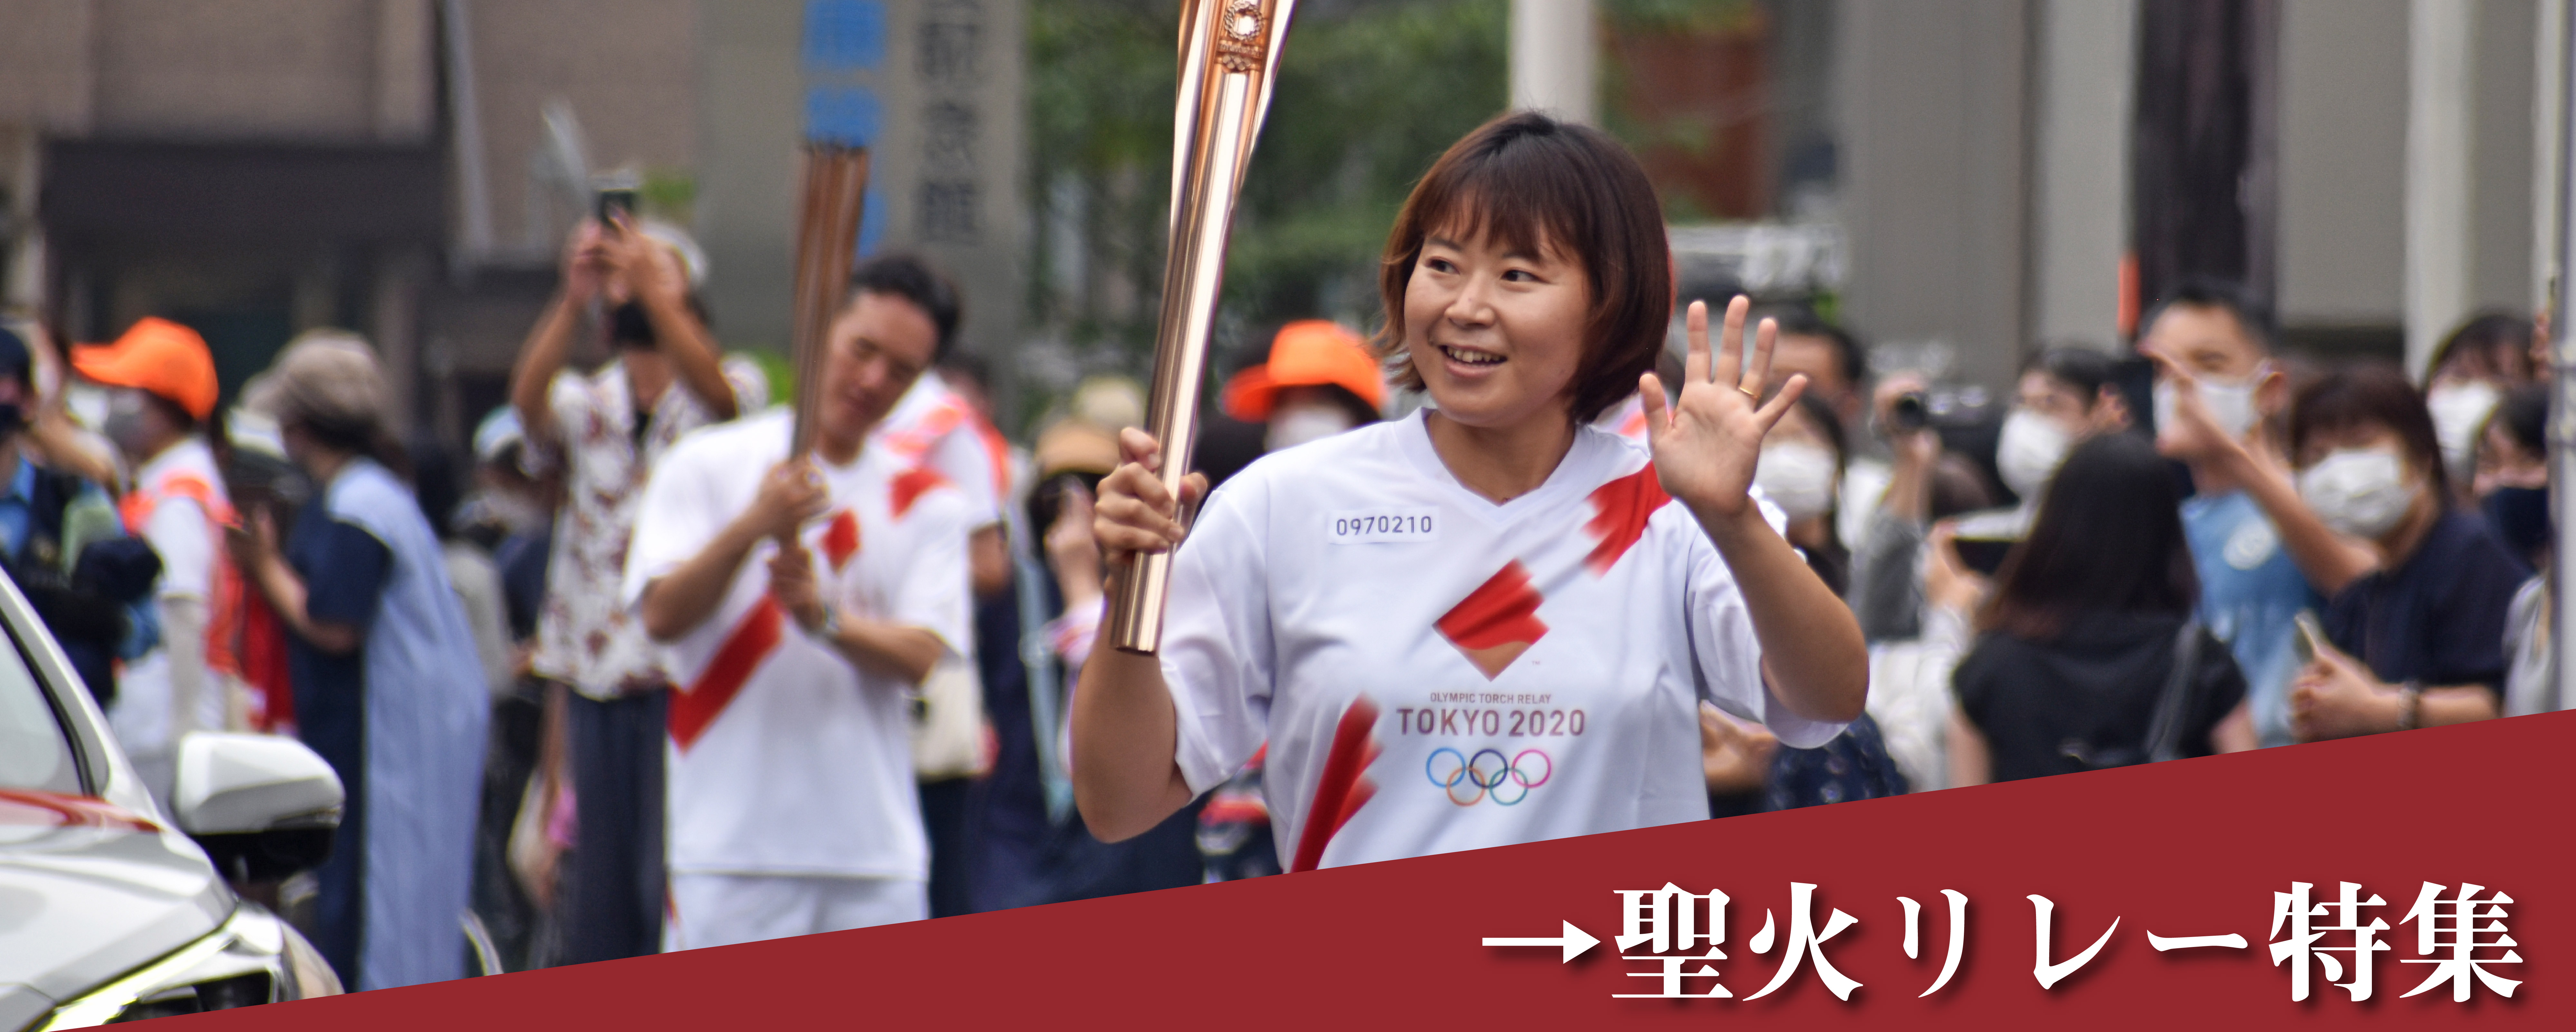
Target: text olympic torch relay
{"points": [[1481, 670]]}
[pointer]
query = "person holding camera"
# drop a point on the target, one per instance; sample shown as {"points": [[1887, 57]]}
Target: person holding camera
{"points": [[603, 432]]}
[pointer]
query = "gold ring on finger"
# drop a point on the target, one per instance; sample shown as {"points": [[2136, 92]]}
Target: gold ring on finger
{"points": [[1749, 392]]}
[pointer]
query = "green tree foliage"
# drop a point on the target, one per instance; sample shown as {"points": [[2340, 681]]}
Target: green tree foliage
{"points": [[1369, 93]]}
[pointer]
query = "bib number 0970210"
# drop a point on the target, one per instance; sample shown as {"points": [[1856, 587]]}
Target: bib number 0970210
{"points": [[1373, 526]]}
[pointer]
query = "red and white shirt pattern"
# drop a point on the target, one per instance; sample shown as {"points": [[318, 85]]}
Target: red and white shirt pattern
{"points": [[784, 757], [1435, 672], [932, 426]]}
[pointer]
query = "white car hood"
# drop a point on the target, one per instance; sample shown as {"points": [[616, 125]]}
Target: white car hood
{"points": [[89, 891]]}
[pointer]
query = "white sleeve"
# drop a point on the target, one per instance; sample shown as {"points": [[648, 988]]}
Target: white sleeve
{"points": [[962, 457], [1726, 653], [931, 592], [568, 402], [750, 385], [178, 533], [1217, 654], [682, 510]]}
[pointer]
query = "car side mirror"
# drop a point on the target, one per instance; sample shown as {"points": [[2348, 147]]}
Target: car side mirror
{"points": [[263, 807]]}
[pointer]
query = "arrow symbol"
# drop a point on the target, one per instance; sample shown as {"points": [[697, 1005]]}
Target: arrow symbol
{"points": [[1574, 941]]}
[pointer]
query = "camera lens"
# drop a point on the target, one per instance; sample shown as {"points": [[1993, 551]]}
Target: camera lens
{"points": [[1909, 412]]}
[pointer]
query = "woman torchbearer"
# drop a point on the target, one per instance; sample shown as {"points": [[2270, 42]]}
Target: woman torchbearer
{"points": [[1489, 622]]}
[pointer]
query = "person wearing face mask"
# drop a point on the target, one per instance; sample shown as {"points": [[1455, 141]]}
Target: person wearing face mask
{"points": [[2418, 639], [1801, 472], [1836, 366], [161, 388], [1803, 461], [2471, 371], [63, 544], [2064, 395], [2512, 488], [2417, 588], [1319, 381], [2219, 388], [2511, 483]]}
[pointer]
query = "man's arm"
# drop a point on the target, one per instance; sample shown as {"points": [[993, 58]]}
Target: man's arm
{"points": [[654, 275], [50, 428], [549, 343], [1971, 762], [988, 561], [675, 603], [896, 650], [2329, 560]]}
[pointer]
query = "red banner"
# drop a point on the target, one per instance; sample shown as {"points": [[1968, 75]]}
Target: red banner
{"points": [[2214, 888]]}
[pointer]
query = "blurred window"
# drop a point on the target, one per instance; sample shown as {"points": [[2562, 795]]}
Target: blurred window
{"points": [[33, 750]]}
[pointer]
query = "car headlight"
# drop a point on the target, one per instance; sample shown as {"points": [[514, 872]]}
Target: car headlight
{"points": [[252, 959]]}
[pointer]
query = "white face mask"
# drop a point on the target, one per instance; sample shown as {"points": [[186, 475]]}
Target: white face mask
{"points": [[1798, 476], [1290, 427], [2231, 404], [2459, 408], [2030, 450], [2358, 491], [124, 422], [88, 404]]}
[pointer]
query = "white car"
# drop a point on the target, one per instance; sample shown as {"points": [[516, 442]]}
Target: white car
{"points": [[112, 910]]}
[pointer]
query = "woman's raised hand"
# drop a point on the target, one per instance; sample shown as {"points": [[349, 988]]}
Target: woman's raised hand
{"points": [[1134, 514], [1707, 443]]}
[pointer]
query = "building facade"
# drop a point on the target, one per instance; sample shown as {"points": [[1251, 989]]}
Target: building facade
{"points": [[255, 168]]}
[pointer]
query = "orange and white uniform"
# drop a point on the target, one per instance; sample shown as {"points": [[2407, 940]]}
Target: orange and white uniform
{"points": [[179, 507]]}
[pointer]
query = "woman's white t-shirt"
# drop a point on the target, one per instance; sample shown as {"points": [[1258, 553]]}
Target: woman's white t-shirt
{"points": [[1433, 672]]}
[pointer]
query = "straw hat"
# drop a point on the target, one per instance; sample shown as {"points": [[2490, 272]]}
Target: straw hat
{"points": [[325, 377]]}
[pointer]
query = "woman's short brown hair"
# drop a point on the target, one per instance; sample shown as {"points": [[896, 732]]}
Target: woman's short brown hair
{"points": [[1531, 181]]}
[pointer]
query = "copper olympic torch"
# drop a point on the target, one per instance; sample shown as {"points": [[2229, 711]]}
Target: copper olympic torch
{"points": [[1229, 50], [834, 196]]}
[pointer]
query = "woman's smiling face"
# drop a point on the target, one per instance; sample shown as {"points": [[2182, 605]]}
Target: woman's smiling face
{"points": [[1495, 331]]}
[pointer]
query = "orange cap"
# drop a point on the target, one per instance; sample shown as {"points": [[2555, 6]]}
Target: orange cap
{"points": [[1307, 353], [159, 356]]}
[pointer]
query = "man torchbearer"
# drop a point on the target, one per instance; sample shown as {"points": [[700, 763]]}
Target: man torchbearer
{"points": [[802, 597]]}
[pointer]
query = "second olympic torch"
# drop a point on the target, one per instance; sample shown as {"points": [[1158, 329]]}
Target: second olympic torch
{"points": [[1229, 52]]}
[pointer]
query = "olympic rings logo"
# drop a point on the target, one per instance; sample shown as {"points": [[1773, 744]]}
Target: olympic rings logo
{"points": [[1488, 773]]}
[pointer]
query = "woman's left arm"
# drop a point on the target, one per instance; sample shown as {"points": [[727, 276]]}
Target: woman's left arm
{"points": [[1706, 446], [254, 548]]}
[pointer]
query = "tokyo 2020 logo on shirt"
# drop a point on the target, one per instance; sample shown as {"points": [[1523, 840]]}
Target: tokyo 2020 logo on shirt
{"points": [[1488, 774]]}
